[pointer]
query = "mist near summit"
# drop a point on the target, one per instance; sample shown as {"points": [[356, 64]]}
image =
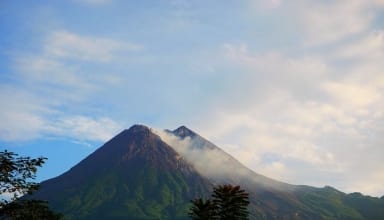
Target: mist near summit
{"points": [[214, 163]]}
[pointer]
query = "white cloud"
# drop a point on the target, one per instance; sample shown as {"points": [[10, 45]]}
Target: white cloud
{"points": [[319, 23], [313, 106], [276, 169], [353, 95], [19, 115], [57, 67], [85, 128], [65, 44], [45, 84], [26, 116], [370, 183], [199, 155], [334, 21], [20, 126], [370, 47], [312, 143], [35, 70], [314, 114], [265, 63]]}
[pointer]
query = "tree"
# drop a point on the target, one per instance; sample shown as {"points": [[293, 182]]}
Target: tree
{"points": [[29, 210], [202, 210], [16, 175], [231, 202], [228, 203]]}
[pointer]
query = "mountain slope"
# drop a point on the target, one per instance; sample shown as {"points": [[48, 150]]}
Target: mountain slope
{"points": [[147, 174], [133, 176], [271, 199]]}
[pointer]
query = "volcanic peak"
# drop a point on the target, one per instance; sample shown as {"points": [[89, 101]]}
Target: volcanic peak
{"points": [[183, 132]]}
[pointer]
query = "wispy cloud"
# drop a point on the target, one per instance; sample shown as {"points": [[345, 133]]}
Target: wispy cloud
{"points": [[306, 110], [370, 47], [321, 23], [27, 117], [64, 44], [30, 113], [353, 95], [291, 88], [55, 74], [327, 23], [85, 128], [199, 153], [21, 115]]}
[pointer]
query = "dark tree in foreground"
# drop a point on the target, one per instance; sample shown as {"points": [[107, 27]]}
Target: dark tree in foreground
{"points": [[29, 210], [228, 203], [202, 209], [231, 202], [16, 175]]}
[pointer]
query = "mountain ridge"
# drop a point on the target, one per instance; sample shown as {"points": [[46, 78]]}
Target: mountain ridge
{"points": [[136, 164], [143, 173]]}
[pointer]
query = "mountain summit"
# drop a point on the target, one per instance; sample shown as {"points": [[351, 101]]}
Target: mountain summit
{"points": [[184, 132], [143, 174], [135, 175]]}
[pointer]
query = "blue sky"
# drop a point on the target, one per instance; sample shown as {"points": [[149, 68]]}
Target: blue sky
{"points": [[293, 89]]}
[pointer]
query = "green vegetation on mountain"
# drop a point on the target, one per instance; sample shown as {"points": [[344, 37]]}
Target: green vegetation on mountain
{"points": [[138, 176], [134, 176], [146, 193], [368, 207]]}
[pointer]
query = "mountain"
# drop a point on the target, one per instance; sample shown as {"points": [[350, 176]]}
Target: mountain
{"points": [[135, 175], [271, 199], [149, 174]]}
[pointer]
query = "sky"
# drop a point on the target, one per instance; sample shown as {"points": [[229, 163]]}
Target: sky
{"points": [[292, 89]]}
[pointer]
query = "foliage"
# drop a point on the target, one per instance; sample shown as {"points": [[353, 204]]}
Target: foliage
{"points": [[202, 209], [30, 210], [231, 202], [369, 207], [16, 174], [112, 194], [228, 203]]}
